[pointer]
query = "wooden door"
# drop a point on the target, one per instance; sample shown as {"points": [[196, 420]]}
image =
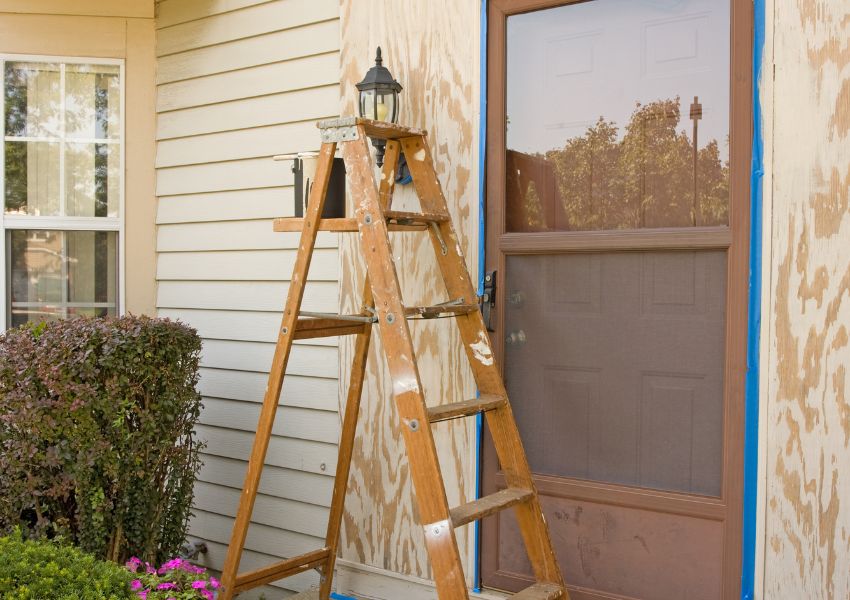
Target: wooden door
{"points": [[617, 220]]}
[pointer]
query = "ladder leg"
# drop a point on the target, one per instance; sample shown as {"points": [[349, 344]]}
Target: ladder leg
{"points": [[352, 403], [278, 369], [343, 465], [407, 389], [477, 346]]}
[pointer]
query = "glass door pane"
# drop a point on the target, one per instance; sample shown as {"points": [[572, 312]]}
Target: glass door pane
{"points": [[618, 116]]}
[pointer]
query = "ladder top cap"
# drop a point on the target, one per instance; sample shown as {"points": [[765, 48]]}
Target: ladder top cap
{"points": [[374, 129]]}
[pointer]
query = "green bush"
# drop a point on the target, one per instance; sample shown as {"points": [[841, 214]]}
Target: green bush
{"points": [[43, 570], [96, 433]]}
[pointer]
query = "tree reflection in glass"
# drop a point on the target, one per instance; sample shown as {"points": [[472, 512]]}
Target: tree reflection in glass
{"points": [[644, 178]]}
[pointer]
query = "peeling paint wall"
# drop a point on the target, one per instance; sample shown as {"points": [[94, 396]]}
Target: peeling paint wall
{"points": [[805, 405], [433, 51]]}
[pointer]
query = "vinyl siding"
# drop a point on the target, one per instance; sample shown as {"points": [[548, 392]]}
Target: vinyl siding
{"points": [[237, 82]]}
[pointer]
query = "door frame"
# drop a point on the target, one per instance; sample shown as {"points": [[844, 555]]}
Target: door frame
{"points": [[735, 239]]}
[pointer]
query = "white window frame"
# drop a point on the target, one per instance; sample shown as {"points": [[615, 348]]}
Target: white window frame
{"points": [[9, 222]]}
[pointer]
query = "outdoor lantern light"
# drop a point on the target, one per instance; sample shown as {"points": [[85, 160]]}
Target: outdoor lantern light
{"points": [[379, 99]]}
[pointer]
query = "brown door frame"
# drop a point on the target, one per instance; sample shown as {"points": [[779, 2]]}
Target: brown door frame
{"points": [[728, 508]]}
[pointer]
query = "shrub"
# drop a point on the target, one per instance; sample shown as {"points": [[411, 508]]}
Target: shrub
{"points": [[43, 570], [176, 579], [96, 433]]}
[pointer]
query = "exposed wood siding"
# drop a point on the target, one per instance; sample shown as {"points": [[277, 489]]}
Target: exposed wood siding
{"points": [[433, 51], [240, 81], [806, 405]]}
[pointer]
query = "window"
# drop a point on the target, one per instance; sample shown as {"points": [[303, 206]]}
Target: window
{"points": [[62, 187]]}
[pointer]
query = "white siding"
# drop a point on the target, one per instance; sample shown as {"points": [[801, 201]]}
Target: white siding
{"points": [[237, 82]]}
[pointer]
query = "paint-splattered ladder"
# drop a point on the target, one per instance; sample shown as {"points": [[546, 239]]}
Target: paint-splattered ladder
{"points": [[382, 302]]}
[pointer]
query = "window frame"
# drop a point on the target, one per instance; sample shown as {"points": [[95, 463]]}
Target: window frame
{"points": [[64, 223]]}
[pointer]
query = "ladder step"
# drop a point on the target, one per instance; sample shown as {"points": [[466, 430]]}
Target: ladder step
{"points": [[412, 218], [428, 312], [467, 408], [296, 224], [540, 591], [380, 130], [308, 328], [488, 505], [279, 570]]}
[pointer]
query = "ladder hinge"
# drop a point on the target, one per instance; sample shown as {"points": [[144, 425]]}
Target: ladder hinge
{"points": [[488, 299], [339, 134]]}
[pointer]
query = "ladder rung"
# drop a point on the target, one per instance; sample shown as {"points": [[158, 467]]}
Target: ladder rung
{"points": [[540, 591], [467, 408], [315, 328], [284, 224], [410, 218], [439, 309], [279, 570], [488, 505]]}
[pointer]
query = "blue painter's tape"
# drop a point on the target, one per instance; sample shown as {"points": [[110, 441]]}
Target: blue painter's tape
{"points": [[751, 422], [336, 596], [482, 145], [482, 207]]}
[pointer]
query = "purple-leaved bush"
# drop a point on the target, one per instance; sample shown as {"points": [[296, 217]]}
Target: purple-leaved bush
{"points": [[97, 441]]}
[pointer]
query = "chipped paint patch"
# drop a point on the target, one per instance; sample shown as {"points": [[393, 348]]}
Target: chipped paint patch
{"points": [[403, 386], [419, 155], [481, 350]]}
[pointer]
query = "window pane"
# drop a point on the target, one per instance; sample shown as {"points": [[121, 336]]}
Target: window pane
{"points": [[92, 173], [618, 116], [77, 177], [56, 274], [614, 365], [32, 178], [92, 101], [32, 99]]}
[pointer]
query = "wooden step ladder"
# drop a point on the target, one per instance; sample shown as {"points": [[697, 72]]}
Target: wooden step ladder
{"points": [[382, 304]]}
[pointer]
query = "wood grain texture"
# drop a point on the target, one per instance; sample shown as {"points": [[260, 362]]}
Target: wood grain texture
{"points": [[433, 52], [806, 409]]}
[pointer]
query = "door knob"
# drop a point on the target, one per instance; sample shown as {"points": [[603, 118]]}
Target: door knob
{"points": [[516, 338]]}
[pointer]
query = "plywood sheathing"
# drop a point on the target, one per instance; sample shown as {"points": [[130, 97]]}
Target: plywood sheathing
{"points": [[433, 52], [807, 410]]}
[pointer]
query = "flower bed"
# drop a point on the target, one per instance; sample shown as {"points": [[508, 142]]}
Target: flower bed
{"points": [[176, 579]]}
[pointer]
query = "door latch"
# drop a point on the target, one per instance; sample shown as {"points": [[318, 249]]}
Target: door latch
{"points": [[488, 299]]}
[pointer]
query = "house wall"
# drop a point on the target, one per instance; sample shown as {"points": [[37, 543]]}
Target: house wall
{"points": [[434, 52], [106, 29], [239, 81], [805, 412]]}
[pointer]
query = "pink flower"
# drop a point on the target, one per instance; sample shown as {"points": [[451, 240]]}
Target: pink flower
{"points": [[136, 584], [199, 584], [214, 583], [174, 563], [133, 564], [167, 586], [207, 594], [143, 594]]}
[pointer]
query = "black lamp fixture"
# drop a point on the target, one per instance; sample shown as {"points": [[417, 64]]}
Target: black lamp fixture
{"points": [[379, 99]]}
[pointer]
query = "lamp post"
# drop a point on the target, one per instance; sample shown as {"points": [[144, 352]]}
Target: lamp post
{"points": [[696, 115], [379, 99]]}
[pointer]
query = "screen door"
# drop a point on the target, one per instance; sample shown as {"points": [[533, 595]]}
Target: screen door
{"points": [[617, 224]]}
